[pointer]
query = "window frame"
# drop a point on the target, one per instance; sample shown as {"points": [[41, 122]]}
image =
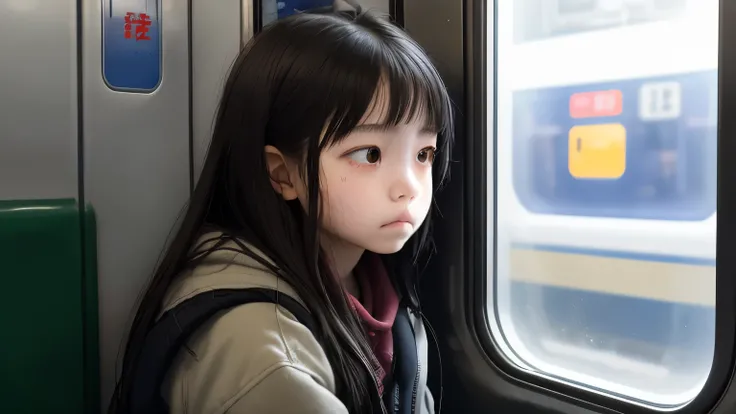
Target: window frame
{"points": [[454, 287]]}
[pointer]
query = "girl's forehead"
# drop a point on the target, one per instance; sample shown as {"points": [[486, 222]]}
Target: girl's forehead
{"points": [[380, 107], [377, 112]]}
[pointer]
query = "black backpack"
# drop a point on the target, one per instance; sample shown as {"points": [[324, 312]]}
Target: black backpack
{"points": [[171, 331]]}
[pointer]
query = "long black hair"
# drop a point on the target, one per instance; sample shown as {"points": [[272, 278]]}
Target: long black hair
{"points": [[300, 85]]}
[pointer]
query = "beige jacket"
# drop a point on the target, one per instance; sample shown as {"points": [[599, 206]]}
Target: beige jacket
{"points": [[258, 358], [255, 358]]}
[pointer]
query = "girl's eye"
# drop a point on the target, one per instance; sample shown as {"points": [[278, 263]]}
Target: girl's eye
{"points": [[370, 155], [426, 155]]}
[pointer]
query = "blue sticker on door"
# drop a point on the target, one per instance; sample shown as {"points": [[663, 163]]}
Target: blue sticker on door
{"points": [[131, 44]]}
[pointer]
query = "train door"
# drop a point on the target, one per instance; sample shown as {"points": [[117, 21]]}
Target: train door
{"points": [[584, 257]]}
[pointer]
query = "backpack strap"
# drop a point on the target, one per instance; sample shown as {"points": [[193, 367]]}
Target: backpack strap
{"points": [[171, 331]]}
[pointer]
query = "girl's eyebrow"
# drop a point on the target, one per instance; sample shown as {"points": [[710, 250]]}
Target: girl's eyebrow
{"points": [[427, 130], [372, 128]]}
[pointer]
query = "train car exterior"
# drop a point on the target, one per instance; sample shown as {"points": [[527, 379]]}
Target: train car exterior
{"points": [[606, 193]]}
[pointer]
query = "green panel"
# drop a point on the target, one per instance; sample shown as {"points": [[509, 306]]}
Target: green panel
{"points": [[42, 360]]}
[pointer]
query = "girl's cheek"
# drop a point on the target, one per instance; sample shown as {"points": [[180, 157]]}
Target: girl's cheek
{"points": [[423, 170]]}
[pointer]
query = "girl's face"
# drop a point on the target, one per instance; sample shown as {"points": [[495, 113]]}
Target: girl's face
{"points": [[376, 184]]}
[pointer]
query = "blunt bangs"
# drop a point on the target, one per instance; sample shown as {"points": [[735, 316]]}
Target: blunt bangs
{"points": [[338, 69], [395, 78]]}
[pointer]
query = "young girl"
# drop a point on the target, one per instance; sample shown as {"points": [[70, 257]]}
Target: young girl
{"points": [[289, 287]]}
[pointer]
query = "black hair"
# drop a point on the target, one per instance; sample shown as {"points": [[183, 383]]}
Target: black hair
{"points": [[301, 85]]}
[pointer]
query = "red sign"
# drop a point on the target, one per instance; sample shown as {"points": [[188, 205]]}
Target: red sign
{"points": [[596, 104], [141, 21]]}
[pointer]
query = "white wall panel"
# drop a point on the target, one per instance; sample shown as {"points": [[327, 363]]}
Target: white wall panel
{"points": [[38, 109], [216, 40], [136, 171]]}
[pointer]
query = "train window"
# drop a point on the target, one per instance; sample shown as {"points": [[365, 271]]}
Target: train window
{"points": [[605, 182], [278, 9], [539, 19], [272, 10]]}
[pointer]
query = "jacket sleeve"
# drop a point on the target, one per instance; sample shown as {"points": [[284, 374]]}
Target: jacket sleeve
{"points": [[288, 390], [254, 358]]}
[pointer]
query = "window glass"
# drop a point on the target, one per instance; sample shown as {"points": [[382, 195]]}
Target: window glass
{"points": [[273, 10], [606, 118]]}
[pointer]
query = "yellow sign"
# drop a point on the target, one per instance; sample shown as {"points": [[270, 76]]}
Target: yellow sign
{"points": [[597, 151]]}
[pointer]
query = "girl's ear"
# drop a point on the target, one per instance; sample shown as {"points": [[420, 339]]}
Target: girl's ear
{"points": [[280, 171]]}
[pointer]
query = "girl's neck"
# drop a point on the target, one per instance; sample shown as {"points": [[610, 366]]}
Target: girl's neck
{"points": [[343, 257], [350, 282]]}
